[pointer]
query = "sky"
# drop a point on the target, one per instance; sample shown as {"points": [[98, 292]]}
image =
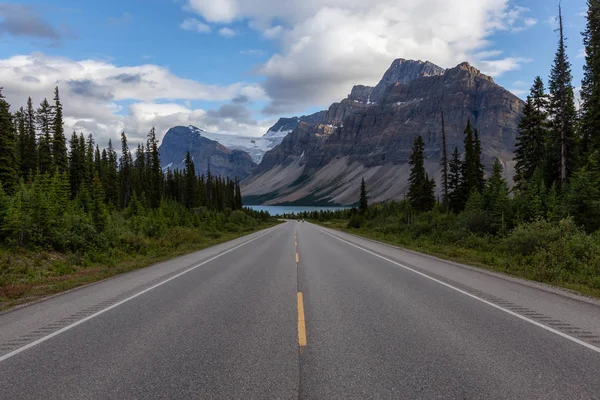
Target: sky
{"points": [[236, 66]]}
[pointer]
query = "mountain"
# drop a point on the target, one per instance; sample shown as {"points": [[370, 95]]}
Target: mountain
{"points": [[370, 133], [204, 151], [287, 125]]}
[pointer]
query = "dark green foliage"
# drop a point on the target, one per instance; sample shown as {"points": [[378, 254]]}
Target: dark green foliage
{"points": [[44, 119], [455, 195], [590, 86], [9, 169], [59, 142], [364, 198], [444, 164], [471, 168], [154, 173], [583, 196], [562, 112], [533, 137], [421, 189], [27, 143], [125, 173], [496, 199]]}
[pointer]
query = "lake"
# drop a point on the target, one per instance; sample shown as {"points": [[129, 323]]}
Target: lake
{"points": [[278, 210]]}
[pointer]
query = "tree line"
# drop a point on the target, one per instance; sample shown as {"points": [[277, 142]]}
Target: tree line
{"points": [[46, 185], [557, 155]]}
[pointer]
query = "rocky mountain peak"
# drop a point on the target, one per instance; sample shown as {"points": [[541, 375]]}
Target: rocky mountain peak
{"points": [[465, 66], [401, 71]]}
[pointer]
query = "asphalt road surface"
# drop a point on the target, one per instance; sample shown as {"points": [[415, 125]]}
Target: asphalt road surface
{"points": [[299, 311]]}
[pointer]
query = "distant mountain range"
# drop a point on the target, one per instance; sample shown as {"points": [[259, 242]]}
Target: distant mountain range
{"points": [[321, 158], [370, 133]]}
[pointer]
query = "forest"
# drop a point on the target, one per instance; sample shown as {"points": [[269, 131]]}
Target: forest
{"points": [[71, 213], [547, 226]]}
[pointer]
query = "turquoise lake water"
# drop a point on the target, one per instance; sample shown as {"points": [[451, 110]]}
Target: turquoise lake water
{"points": [[278, 210]]}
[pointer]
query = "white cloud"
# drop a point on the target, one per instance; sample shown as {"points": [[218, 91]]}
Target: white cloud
{"points": [[581, 53], [252, 52], [92, 92], [192, 24], [520, 83], [326, 46], [227, 32]]}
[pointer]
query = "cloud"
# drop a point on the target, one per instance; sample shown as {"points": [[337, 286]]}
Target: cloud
{"points": [[227, 32], [581, 53], [192, 24], [105, 99], [252, 52], [21, 20], [520, 83], [123, 19], [90, 89], [327, 46]]}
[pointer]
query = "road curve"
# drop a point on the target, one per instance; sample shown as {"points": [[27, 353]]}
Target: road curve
{"points": [[299, 311]]}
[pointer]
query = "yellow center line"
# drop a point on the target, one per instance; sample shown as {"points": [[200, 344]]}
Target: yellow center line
{"points": [[301, 323], [297, 259]]}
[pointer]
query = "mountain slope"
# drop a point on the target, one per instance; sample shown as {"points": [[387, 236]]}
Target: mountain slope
{"points": [[359, 137], [204, 151]]}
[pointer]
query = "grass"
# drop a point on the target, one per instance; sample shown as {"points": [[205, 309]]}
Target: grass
{"points": [[28, 275], [497, 261]]}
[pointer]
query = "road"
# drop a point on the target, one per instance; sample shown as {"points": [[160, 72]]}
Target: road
{"points": [[299, 311]]}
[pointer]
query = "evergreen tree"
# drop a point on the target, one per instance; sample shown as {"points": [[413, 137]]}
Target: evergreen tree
{"points": [[496, 198], [9, 169], [238, 195], [125, 173], [471, 168], [590, 86], [190, 192], [444, 163], [29, 157], [562, 109], [59, 142], [533, 136], [420, 189], [155, 174], [90, 166], [455, 195], [44, 119], [77, 170], [111, 180], [139, 166], [363, 204], [583, 197]]}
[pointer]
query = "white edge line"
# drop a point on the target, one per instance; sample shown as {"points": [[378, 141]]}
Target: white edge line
{"points": [[556, 332], [81, 321]]}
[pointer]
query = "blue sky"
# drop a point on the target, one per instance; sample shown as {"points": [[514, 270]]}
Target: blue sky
{"points": [[237, 65]]}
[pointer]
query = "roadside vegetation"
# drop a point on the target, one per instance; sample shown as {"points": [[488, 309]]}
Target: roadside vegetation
{"points": [[71, 215], [547, 227]]}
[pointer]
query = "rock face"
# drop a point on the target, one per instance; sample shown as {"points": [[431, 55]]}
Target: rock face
{"points": [[370, 134], [222, 160], [285, 125]]}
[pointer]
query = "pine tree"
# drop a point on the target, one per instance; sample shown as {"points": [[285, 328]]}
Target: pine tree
{"points": [[190, 192], [44, 121], [139, 166], [90, 167], [590, 86], [420, 189], [125, 173], [455, 195], [111, 184], [583, 197], [238, 195], [477, 163], [363, 204], [77, 169], [9, 169], [496, 197], [155, 174], [29, 156], [59, 142], [533, 136], [562, 108], [444, 163], [472, 168]]}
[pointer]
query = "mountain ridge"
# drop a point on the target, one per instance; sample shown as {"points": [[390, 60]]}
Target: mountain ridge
{"points": [[373, 139]]}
